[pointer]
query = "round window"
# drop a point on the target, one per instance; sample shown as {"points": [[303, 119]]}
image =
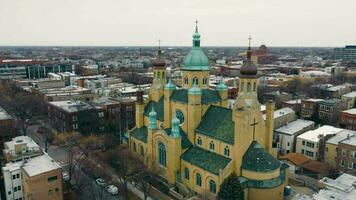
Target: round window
{"points": [[180, 116]]}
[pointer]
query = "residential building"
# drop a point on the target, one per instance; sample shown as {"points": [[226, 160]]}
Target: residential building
{"points": [[42, 179], [196, 142], [309, 109], [67, 116], [285, 136], [312, 143], [282, 117], [30, 173], [278, 97], [346, 155], [296, 105], [332, 145], [348, 53], [6, 119], [343, 187], [301, 164], [350, 99], [329, 111], [336, 91], [74, 93], [347, 119]]}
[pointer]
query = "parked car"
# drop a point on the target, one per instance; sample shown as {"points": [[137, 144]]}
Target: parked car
{"points": [[112, 189], [65, 176], [101, 182]]}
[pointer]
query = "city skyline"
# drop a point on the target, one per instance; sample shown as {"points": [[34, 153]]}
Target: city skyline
{"points": [[136, 23]]}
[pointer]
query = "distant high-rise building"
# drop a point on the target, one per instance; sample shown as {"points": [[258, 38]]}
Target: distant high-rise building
{"points": [[348, 53]]}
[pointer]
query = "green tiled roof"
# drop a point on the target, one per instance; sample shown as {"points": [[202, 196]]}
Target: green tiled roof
{"points": [[185, 141], [140, 134], [258, 159], [270, 183], [208, 96], [217, 123], [206, 160], [159, 108]]}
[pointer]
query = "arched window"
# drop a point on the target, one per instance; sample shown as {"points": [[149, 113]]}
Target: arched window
{"points": [[248, 87], [198, 179], [163, 74], [186, 80], [154, 75], [242, 86], [162, 154], [142, 151], [199, 141], [212, 186], [254, 87], [212, 146], [195, 80], [134, 146], [205, 81], [226, 151], [158, 75], [186, 173]]}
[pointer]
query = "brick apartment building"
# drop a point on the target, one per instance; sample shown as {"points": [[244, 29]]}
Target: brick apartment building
{"points": [[346, 155], [329, 110], [347, 119], [309, 108], [67, 116]]}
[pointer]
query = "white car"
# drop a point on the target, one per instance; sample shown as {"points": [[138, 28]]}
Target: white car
{"points": [[65, 176], [100, 182], [112, 189]]}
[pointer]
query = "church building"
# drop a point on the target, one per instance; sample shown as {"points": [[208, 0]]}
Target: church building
{"points": [[190, 137]]}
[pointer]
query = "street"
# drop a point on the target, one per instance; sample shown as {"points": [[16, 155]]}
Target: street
{"points": [[88, 189]]}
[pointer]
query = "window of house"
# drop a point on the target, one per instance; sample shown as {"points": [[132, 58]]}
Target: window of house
{"points": [[227, 151], [212, 186], [198, 179], [254, 86], [302, 151], [353, 154], [186, 80], [342, 163], [350, 165], [195, 80], [343, 152], [52, 178], [14, 176], [242, 87], [50, 192], [212, 145], [354, 165], [303, 142], [186, 173], [248, 87]]}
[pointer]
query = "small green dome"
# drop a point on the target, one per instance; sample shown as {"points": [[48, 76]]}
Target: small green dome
{"points": [[194, 90], [152, 119], [175, 127], [196, 60], [221, 87], [170, 85]]}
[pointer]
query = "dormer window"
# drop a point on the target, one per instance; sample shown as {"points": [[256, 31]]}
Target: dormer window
{"points": [[212, 145]]}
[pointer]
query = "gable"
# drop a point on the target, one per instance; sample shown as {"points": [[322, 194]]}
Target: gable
{"points": [[217, 123]]}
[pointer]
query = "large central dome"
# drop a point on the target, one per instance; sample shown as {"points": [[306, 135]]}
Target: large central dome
{"points": [[196, 60]]}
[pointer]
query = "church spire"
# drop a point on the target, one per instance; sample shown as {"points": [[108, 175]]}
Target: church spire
{"points": [[248, 69]]}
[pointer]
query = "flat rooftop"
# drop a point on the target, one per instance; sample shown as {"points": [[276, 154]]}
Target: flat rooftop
{"points": [[342, 135], [39, 165], [351, 111], [30, 144], [351, 94], [71, 106], [314, 135], [295, 126], [340, 188]]}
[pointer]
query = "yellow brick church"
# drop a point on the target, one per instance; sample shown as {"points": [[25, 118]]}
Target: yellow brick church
{"points": [[195, 141]]}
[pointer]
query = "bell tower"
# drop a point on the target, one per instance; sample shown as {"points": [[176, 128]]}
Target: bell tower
{"points": [[159, 75]]}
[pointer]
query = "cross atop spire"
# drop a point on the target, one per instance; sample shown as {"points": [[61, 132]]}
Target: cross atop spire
{"points": [[249, 42], [196, 26], [159, 43]]}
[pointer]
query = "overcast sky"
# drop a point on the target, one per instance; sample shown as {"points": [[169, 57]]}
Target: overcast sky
{"points": [[142, 22]]}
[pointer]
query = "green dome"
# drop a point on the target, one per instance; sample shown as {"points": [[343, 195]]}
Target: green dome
{"points": [[194, 90], [221, 87], [196, 60], [170, 85], [175, 127]]}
